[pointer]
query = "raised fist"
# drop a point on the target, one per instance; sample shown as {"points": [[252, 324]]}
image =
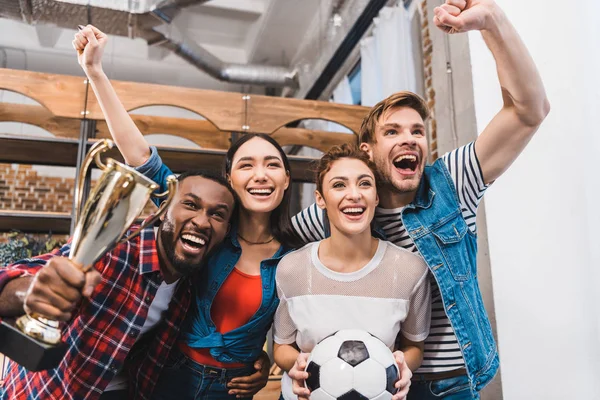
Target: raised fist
{"points": [[455, 16], [89, 43]]}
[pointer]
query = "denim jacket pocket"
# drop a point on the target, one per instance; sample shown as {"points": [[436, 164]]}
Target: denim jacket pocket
{"points": [[449, 237]]}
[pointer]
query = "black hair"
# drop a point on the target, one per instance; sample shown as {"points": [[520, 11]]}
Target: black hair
{"points": [[280, 220], [211, 176]]}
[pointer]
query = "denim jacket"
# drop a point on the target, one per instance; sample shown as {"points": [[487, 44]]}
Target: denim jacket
{"points": [[243, 344], [435, 223]]}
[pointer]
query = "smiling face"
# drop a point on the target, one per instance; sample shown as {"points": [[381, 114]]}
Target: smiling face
{"points": [[349, 195], [196, 222], [258, 176], [399, 149]]}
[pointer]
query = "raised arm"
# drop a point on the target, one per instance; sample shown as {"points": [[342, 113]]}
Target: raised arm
{"points": [[525, 102], [89, 43]]}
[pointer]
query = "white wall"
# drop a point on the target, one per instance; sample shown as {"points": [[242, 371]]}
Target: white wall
{"points": [[543, 213]]}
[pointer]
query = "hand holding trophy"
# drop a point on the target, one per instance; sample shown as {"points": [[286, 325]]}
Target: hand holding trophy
{"points": [[116, 201]]}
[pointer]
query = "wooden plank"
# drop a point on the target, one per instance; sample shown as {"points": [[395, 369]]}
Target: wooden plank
{"points": [[64, 95], [267, 114], [63, 152], [222, 109], [38, 150], [180, 159], [227, 110], [320, 140], [42, 117], [200, 132], [203, 133], [35, 222]]}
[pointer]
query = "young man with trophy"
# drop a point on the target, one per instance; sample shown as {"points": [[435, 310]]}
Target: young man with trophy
{"points": [[120, 301]]}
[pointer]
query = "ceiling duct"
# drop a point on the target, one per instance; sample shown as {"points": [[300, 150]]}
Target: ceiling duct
{"points": [[167, 10], [187, 49], [141, 19]]}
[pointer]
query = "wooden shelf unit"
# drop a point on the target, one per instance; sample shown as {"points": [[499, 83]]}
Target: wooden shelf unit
{"points": [[63, 100]]}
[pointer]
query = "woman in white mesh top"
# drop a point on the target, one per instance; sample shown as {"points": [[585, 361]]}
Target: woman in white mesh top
{"points": [[350, 280]]}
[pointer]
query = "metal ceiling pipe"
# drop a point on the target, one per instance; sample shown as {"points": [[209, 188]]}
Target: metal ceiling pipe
{"points": [[166, 10], [154, 31], [230, 72]]}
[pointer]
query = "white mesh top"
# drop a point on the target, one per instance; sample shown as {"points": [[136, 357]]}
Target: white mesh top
{"points": [[388, 295]]}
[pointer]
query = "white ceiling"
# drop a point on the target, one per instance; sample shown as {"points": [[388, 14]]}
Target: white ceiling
{"points": [[241, 31], [265, 31]]}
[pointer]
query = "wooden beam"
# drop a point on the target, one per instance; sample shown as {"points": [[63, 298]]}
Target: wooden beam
{"points": [[200, 132], [180, 159], [267, 114], [40, 116], [42, 151], [35, 222], [64, 96], [320, 140], [63, 152]]}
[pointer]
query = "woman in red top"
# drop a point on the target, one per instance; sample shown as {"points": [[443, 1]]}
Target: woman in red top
{"points": [[211, 362]]}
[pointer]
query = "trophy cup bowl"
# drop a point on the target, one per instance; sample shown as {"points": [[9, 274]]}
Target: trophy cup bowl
{"points": [[116, 201]]}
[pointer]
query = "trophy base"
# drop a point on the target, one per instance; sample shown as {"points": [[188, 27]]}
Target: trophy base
{"points": [[27, 351]]}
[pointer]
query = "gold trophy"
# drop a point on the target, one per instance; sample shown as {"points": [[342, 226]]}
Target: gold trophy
{"points": [[116, 201]]}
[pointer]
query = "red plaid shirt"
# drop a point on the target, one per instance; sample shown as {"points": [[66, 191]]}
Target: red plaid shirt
{"points": [[105, 327]]}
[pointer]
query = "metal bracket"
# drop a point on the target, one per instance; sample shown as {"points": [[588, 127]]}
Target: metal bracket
{"points": [[246, 126]]}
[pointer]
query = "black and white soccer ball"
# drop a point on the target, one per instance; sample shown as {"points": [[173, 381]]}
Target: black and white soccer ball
{"points": [[351, 365]]}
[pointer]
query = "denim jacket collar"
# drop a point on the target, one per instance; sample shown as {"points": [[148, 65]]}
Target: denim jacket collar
{"points": [[424, 196]]}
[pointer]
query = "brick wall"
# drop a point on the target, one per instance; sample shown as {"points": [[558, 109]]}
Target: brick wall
{"points": [[22, 189], [427, 73]]}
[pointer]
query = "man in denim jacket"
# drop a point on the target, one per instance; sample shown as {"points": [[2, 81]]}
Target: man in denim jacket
{"points": [[432, 209]]}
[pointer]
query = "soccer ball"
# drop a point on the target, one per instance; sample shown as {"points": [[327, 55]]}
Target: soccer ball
{"points": [[351, 364]]}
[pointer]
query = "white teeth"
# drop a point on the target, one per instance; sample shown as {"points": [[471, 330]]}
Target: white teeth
{"points": [[352, 210], [194, 239], [261, 191], [408, 157]]}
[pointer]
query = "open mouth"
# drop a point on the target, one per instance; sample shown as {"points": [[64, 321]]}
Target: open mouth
{"points": [[193, 243], [263, 192], [407, 163], [354, 211]]}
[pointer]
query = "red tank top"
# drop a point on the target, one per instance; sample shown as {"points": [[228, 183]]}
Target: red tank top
{"points": [[236, 302]]}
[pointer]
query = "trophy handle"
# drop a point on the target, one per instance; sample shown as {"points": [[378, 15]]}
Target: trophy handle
{"points": [[94, 154], [169, 194]]}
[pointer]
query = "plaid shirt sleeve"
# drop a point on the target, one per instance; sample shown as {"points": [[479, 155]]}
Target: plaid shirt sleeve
{"points": [[29, 266], [106, 327]]}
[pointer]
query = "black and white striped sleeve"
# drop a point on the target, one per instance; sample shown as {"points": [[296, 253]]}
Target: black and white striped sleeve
{"points": [[468, 179], [309, 224]]}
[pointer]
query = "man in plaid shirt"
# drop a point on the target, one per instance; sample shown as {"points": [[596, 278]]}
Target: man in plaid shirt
{"points": [[124, 315]]}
